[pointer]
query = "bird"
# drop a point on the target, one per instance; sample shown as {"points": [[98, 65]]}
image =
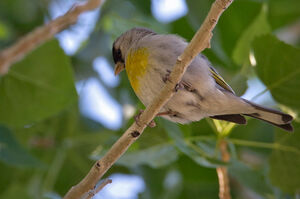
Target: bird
{"points": [[148, 59]]}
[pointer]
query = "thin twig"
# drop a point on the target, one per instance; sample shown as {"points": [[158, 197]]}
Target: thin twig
{"points": [[224, 187], [93, 192], [200, 41], [42, 34], [266, 145]]}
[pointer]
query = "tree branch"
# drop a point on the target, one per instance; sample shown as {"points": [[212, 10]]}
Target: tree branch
{"points": [[42, 34], [224, 187], [92, 193], [200, 41]]}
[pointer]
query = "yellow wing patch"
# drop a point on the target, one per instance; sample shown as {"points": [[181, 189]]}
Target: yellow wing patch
{"points": [[220, 81], [136, 66]]}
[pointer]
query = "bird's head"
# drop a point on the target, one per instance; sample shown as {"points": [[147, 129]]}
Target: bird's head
{"points": [[123, 43]]}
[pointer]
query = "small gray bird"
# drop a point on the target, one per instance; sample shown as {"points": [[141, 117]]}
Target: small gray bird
{"points": [[148, 58]]}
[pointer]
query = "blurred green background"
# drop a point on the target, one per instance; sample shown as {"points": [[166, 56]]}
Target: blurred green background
{"points": [[61, 108]]}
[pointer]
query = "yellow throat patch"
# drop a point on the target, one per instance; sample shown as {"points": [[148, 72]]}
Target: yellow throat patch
{"points": [[136, 66]]}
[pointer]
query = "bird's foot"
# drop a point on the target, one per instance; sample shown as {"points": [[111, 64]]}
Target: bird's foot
{"points": [[187, 86], [167, 113], [152, 124], [167, 76], [178, 86]]}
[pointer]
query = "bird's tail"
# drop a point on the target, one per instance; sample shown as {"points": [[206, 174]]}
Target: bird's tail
{"points": [[277, 118]]}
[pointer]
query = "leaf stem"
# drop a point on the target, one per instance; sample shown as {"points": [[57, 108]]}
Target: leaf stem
{"points": [[256, 144], [264, 145]]}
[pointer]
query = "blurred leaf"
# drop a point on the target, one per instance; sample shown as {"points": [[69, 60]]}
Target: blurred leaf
{"points": [[278, 68], [116, 25], [11, 152], [24, 16], [16, 191], [197, 180], [284, 166], [7, 176], [70, 171], [252, 178], [97, 45], [120, 16], [255, 130], [156, 156], [284, 12], [191, 149], [154, 180], [3, 31], [153, 137], [152, 149], [124, 9], [258, 27], [198, 11], [234, 21], [37, 87], [238, 83], [143, 6], [93, 139], [199, 128], [187, 32]]}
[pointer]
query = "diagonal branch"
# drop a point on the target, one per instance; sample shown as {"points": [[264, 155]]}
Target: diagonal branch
{"points": [[42, 34], [200, 41]]}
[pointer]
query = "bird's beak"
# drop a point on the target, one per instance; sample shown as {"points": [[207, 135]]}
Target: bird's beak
{"points": [[119, 67]]}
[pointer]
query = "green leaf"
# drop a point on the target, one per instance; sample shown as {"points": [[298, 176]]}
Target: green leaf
{"points": [[11, 152], [156, 156], [153, 148], [143, 6], [22, 16], [198, 11], [187, 32], [198, 151], [154, 181], [234, 21], [252, 178], [115, 25], [238, 83], [39, 86], [278, 68], [283, 12], [258, 27], [284, 165], [4, 32], [16, 191], [197, 180]]}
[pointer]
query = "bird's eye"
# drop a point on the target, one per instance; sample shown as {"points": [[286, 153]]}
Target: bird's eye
{"points": [[119, 52], [117, 55]]}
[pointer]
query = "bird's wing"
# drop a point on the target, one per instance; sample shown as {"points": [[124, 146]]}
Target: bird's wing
{"points": [[235, 118], [219, 80]]}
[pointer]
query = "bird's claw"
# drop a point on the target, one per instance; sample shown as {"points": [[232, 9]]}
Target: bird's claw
{"points": [[152, 124], [167, 76], [177, 87]]}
